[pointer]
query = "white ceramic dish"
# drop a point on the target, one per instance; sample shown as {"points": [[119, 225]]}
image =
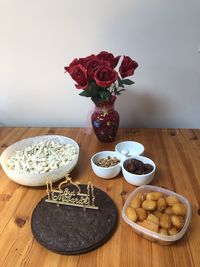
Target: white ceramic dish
{"points": [[103, 172], [139, 179], [38, 179], [129, 149], [150, 235]]}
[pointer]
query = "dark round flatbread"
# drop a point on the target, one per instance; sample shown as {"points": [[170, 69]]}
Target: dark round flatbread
{"points": [[72, 230]]}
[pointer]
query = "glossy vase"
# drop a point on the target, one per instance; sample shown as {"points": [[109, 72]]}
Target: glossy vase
{"points": [[105, 121]]}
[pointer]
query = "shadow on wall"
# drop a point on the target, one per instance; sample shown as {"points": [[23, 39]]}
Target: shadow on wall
{"points": [[139, 110]]}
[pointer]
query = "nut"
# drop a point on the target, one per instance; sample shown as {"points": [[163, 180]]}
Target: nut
{"points": [[108, 162]]}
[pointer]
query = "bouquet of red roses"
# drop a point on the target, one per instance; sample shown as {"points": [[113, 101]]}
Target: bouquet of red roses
{"points": [[97, 77]]}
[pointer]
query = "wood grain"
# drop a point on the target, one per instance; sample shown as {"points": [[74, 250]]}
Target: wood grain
{"points": [[176, 154]]}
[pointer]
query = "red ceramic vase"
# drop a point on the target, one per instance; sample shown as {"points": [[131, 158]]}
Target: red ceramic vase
{"points": [[105, 121]]}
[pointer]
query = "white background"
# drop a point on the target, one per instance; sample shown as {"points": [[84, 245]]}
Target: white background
{"points": [[39, 37]]}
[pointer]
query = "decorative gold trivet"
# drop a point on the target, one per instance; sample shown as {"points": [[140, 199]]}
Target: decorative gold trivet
{"points": [[69, 193]]}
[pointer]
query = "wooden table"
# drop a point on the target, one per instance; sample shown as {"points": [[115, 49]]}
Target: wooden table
{"points": [[176, 153]]}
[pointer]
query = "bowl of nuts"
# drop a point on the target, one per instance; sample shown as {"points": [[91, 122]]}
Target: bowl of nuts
{"points": [[31, 161], [106, 164], [138, 170], [157, 214]]}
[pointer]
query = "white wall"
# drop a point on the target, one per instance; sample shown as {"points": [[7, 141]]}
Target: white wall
{"points": [[39, 37]]}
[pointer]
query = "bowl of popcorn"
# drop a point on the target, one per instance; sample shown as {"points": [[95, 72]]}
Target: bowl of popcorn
{"points": [[106, 164], [31, 161], [157, 214]]}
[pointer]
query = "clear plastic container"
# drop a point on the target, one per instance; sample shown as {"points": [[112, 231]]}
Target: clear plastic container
{"points": [[150, 235]]}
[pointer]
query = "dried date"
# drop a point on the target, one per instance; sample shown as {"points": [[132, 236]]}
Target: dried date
{"points": [[136, 166]]}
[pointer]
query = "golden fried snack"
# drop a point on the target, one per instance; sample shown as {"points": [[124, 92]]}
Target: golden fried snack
{"points": [[136, 203], [165, 221], [169, 210], [141, 196], [149, 204], [131, 214], [154, 195], [177, 221], [150, 225], [179, 209], [161, 204], [172, 200], [163, 231], [173, 231], [157, 214], [141, 213], [153, 218]]}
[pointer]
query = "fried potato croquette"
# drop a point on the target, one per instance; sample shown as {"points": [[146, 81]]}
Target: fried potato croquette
{"points": [[173, 231], [161, 204], [165, 221], [169, 210], [141, 213], [149, 204], [157, 213], [177, 221], [172, 200], [163, 231], [179, 209], [131, 214], [150, 225], [154, 195], [141, 196], [136, 203], [153, 218]]}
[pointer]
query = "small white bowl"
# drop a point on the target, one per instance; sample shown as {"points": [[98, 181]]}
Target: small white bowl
{"points": [[103, 172], [129, 149], [139, 179], [38, 179]]}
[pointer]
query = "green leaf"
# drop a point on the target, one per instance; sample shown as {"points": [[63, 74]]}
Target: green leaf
{"points": [[105, 95], [120, 82], [127, 82], [86, 93], [119, 91]]}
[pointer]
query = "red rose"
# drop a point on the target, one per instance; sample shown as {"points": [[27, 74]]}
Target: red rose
{"points": [[84, 60], [105, 76], [127, 67], [108, 59], [79, 75], [72, 64], [91, 63]]}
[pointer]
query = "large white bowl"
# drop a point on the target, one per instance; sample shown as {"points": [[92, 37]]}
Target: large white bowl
{"points": [[38, 179]]}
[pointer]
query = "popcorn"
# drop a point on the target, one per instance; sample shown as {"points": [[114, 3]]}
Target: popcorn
{"points": [[43, 157]]}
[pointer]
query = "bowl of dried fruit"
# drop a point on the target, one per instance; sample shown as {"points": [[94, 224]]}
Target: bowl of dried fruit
{"points": [[157, 214], [138, 170], [33, 160], [106, 164]]}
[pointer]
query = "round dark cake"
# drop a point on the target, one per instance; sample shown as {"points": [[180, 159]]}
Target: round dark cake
{"points": [[74, 230]]}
